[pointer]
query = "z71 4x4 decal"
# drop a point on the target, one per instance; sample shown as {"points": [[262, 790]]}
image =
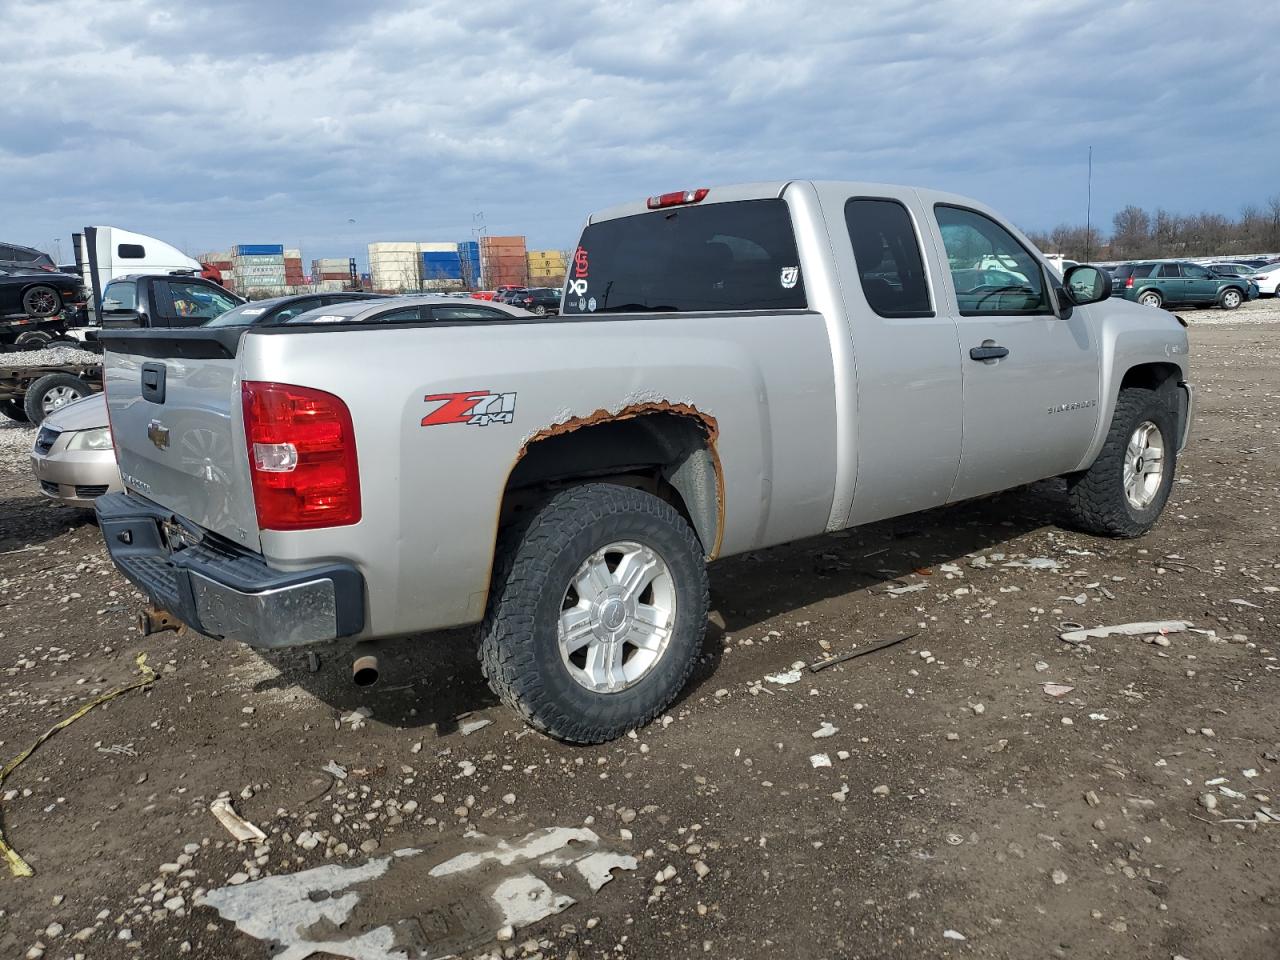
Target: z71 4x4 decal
{"points": [[476, 407]]}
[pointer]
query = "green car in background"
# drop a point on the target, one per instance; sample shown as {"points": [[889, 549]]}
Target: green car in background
{"points": [[1179, 283]]}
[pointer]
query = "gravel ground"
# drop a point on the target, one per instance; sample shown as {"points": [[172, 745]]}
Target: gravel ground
{"points": [[964, 808], [52, 356]]}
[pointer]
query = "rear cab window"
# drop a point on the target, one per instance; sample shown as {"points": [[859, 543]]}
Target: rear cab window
{"points": [[739, 255], [120, 295], [886, 250]]}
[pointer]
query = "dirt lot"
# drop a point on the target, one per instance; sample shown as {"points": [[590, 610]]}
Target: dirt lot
{"points": [[962, 800]]}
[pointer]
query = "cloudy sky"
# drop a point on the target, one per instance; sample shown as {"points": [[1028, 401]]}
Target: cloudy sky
{"points": [[215, 123]]}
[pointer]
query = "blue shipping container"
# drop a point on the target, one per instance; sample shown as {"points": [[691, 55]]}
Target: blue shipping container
{"points": [[442, 265], [260, 250], [469, 255]]}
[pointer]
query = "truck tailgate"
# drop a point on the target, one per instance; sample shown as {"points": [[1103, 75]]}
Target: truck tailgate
{"points": [[173, 397]]}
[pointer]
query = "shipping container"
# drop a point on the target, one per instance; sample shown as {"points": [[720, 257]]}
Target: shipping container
{"points": [[440, 265], [437, 247], [259, 250], [291, 254]]}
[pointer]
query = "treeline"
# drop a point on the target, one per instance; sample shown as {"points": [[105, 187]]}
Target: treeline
{"points": [[1137, 234]]}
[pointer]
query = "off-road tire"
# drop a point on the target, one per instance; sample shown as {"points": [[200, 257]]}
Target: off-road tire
{"points": [[33, 401], [519, 647], [1151, 295], [1095, 498], [36, 300], [1230, 299], [12, 408]]}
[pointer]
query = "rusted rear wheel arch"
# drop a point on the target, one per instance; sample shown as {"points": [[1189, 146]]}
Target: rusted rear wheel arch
{"points": [[667, 449]]}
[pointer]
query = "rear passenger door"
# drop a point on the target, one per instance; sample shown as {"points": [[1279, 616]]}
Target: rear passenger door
{"points": [[1169, 282], [905, 350], [1030, 379]]}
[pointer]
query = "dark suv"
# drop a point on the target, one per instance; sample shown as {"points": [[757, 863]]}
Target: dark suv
{"points": [[539, 300], [1180, 283]]}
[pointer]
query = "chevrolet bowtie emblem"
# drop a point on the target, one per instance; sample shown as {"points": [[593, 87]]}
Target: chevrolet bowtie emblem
{"points": [[158, 434]]}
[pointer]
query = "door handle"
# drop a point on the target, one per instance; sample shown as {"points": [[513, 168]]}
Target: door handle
{"points": [[988, 351]]}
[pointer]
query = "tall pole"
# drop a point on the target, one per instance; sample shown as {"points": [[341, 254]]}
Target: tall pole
{"points": [[1088, 216]]}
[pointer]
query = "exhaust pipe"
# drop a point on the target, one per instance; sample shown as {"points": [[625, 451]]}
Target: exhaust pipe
{"points": [[155, 620], [364, 671]]}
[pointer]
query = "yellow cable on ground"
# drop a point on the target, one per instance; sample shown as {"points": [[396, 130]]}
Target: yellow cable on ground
{"points": [[17, 866]]}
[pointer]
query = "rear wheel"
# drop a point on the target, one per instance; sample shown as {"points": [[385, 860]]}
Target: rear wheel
{"points": [[52, 392], [1151, 299], [1124, 492], [596, 613], [41, 301], [540, 310], [34, 339], [1230, 299]]}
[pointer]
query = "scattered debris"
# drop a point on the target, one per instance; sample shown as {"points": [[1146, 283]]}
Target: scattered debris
{"points": [[784, 679], [471, 726], [819, 760], [236, 825], [1056, 689], [335, 768], [464, 902], [872, 648], [1034, 563], [824, 731], [1161, 627], [17, 866], [911, 588], [954, 935]]}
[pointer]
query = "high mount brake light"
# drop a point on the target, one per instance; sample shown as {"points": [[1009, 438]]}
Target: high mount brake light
{"points": [[678, 198], [302, 457]]}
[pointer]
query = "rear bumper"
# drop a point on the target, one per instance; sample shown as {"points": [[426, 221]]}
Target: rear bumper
{"points": [[222, 590]]}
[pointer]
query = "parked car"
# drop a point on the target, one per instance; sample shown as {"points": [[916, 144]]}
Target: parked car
{"points": [[484, 294], [1180, 283], [539, 300], [565, 484], [36, 293], [509, 295], [70, 468], [16, 257], [73, 458], [1267, 279], [1230, 269]]}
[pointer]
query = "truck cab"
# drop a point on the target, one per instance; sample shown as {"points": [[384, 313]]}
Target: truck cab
{"points": [[163, 300]]}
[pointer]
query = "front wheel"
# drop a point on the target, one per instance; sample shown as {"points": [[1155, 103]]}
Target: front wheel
{"points": [[596, 612], [1124, 492], [12, 408], [1151, 299], [1230, 299]]}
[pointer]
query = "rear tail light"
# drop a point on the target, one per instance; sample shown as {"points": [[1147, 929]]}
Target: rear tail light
{"points": [[678, 198], [528, 299], [302, 457], [1128, 283]]}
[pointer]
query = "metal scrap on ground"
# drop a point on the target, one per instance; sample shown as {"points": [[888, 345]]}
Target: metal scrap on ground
{"points": [[1161, 627], [841, 658], [406, 906]]}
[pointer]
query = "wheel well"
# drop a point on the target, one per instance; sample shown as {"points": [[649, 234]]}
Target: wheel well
{"points": [[1160, 377], [668, 450]]}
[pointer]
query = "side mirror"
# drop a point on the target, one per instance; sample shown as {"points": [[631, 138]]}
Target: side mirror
{"points": [[1085, 284]]}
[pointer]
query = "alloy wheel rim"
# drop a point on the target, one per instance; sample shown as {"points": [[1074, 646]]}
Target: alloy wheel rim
{"points": [[617, 617], [58, 397], [1143, 465], [42, 301]]}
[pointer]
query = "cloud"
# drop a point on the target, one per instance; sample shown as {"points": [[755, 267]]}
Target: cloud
{"points": [[216, 123]]}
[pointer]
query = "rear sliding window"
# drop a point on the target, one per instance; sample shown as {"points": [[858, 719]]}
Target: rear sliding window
{"points": [[725, 256]]}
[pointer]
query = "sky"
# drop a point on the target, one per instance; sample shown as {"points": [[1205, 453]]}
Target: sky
{"points": [[328, 125]]}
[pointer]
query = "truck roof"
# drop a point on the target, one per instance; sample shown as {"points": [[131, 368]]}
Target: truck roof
{"points": [[770, 189]]}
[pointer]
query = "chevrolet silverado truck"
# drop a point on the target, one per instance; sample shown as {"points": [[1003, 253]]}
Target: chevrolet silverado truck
{"points": [[732, 368]]}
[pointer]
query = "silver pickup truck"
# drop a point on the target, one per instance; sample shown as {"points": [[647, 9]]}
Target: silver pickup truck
{"points": [[732, 368]]}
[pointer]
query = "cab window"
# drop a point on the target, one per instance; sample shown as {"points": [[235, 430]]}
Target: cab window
{"points": [[994, 274], [192, 301], [886, 251], [466, 312], [120, 295]]}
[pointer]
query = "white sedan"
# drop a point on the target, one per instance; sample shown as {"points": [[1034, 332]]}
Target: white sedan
{"points": [[1268, 279]]}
